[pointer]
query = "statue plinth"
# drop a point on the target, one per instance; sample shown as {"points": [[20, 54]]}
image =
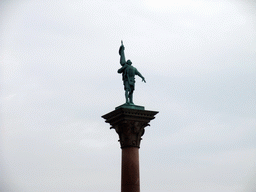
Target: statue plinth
{"points": [[130, 124], [128, 106]]}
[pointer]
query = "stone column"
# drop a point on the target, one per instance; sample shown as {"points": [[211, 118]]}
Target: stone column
{"points": [[130, 125]]}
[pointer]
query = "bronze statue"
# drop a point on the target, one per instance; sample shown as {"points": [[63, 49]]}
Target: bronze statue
{"points": [[128, 74]]}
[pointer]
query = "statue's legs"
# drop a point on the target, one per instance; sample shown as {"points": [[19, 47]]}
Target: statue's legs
{"points": [[131, 97], [126, 96], [129, 93]]}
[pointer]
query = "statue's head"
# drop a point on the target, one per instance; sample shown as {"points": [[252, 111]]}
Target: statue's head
{"points": [[129, 62]]}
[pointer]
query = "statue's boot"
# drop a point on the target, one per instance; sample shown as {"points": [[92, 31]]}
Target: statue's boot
{"points": [[131, 99], [127, 97]]}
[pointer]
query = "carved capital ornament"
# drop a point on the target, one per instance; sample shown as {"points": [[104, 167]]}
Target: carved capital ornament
{"points": [[129, 124]]}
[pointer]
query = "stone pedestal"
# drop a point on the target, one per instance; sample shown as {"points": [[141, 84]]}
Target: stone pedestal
{"points": [[130, 124]]}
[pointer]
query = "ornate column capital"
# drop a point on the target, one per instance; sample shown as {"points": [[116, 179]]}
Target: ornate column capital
{"points": [[129, 124]]}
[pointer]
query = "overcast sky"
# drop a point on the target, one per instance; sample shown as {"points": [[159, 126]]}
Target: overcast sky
{"points": [[59, 62]]}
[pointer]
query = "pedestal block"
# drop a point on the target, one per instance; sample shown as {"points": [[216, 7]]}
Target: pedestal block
{"points": [[130, 123]]}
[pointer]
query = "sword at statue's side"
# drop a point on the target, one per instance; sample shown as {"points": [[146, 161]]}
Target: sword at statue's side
{"points": [[121, 53]]}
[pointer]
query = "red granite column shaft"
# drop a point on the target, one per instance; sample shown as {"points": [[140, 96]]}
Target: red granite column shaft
{"points": [[130, 181]]}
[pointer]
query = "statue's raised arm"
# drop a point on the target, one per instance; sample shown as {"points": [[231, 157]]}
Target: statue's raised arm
{"points": [[121, 53]]}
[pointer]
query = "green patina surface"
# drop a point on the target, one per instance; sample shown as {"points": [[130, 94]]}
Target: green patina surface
{"points": [[131, 107], [128, 76]]}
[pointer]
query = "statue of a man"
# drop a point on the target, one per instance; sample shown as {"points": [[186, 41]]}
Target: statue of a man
{"points": [[128, 73]]}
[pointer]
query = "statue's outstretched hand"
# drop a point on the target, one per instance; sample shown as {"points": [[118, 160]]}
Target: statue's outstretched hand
{"points": [[143, 80]]}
